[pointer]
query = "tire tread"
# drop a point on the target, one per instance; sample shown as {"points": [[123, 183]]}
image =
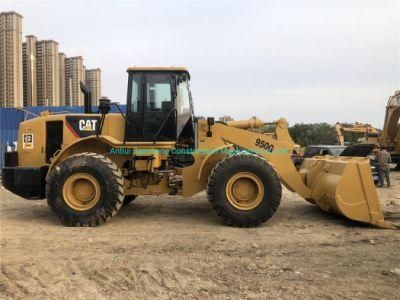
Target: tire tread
{"points": [[102, 214]]}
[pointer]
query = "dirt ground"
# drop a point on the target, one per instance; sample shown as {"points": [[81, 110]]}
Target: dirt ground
{"points": [[166, 247]]}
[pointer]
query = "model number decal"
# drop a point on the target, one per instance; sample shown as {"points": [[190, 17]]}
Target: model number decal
{"points": [[264, 145], [27, 141]]}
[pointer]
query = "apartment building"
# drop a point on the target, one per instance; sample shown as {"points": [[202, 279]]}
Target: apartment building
{"points": [[47, 72], [93, 82], [29, 70], [74, 74], [11, 73], [34, 73], [61, 67], [84, 74]]}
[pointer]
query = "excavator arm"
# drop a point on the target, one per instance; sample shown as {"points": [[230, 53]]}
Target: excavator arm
{"points": [[370, 133], [390, 134]]}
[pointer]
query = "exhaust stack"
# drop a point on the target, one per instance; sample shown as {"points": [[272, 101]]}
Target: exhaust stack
{"points": [[87, 98]]}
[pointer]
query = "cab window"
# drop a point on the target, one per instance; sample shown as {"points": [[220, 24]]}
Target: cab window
{"points": [[183, 98], [158, 93], [135, 95]]}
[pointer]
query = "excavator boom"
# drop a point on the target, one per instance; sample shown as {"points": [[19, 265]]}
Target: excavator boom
{"points": [[370, 133], [390, 137]]}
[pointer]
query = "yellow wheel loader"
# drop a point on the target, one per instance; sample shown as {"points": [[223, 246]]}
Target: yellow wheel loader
{"points": [[89, 165]]}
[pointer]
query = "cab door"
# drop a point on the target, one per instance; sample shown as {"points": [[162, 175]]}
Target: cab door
{"points": [[159, 111], [150, 107], [135, 108]]}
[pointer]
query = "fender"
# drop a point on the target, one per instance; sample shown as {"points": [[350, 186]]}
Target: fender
{"points": [[207, 158], [89, 144]]}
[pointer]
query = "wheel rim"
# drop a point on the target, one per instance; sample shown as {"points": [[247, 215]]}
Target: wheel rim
{"points": [[81, 191], [244, 191]]}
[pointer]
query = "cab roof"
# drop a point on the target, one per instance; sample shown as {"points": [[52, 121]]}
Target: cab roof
{"points": [[157, 68]]}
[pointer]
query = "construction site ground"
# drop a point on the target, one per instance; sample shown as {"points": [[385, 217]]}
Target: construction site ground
{"points": [[168, 247]]}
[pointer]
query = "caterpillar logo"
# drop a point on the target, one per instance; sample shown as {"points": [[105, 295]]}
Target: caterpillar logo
{"points": [[87, 125], [82, 126]]}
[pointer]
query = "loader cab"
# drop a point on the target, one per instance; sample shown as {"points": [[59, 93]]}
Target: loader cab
{"points": [[159, 104]]}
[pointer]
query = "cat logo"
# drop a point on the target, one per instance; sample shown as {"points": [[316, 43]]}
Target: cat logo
{"points": [[87, 125]]}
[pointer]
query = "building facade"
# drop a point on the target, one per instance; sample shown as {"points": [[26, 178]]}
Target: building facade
{"points": [[47, 72], [74, 74], [34, 73], [29, 70], [61, 72], [93, 82], [11, 73]]}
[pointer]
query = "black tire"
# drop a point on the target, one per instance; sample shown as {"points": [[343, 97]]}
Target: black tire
{"points": [[218, 180], [111, 187], [128, 199]]}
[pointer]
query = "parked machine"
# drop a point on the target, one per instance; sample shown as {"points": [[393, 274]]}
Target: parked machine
{"points": [[87, 165], [390, 136], [364, 150], [371, 134], [317, 150]]}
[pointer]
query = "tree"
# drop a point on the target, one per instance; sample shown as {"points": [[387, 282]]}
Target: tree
{"points": [[313, 134]]}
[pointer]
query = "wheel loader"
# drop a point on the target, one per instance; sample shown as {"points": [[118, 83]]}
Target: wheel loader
{"points": [[89, 165]]}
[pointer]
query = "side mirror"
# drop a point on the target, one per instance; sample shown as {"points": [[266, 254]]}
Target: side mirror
{"points": [[172, 81], [183, 77]]}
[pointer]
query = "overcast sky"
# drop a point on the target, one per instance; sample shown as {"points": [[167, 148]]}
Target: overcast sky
{"points": [[314, 61]]}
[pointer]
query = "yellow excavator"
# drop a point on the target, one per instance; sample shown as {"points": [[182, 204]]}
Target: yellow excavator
{"points": [[88, 165], [390, 136], [371, 134]]}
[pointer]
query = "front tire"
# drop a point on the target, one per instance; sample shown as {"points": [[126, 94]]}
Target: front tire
{"points": [[85, 190], [244, 190]]}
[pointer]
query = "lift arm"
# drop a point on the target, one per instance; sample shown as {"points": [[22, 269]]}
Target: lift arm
{"points": [[275, 148]]}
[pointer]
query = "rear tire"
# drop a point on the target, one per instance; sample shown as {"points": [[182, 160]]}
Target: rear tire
{"points": [[85, 190], [244, 190]]}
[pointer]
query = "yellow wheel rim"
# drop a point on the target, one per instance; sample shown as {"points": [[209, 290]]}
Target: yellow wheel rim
{"points": [[244, 191], [81, 191]]}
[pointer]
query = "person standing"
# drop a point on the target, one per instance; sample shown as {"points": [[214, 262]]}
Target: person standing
{"points": [[384, 159]]}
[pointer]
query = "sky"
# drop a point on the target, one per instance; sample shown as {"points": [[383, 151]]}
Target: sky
{"points": [[312, 61]]}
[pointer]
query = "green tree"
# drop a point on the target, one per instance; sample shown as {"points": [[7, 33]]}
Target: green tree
{"points": [[313, 134]]}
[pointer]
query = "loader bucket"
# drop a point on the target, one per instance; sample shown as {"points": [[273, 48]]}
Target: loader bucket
{"points": [[344, 185]]}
